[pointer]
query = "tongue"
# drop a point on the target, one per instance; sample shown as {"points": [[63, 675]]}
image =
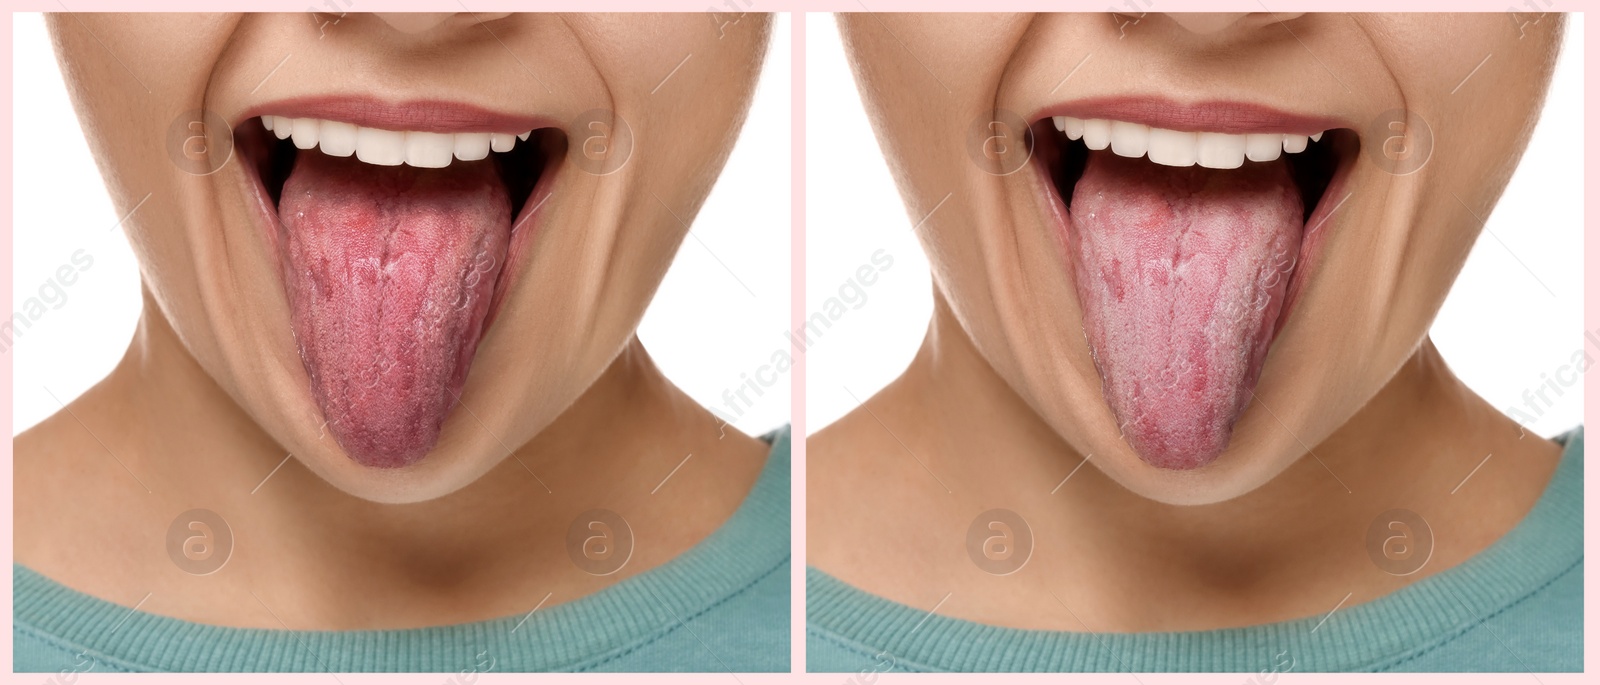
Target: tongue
{"points": [[389, 272], [1181, 273]]}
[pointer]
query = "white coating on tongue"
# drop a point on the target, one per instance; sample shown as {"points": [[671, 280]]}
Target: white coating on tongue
{"points": [[1181, 273], [389, 273]]}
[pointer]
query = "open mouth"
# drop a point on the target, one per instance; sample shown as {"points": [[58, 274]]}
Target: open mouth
{"points": [[393, 247], [1187, 249]]}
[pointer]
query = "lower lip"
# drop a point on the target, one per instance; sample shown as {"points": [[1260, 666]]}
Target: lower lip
{"points": [[523, 229], [1332, 200]]}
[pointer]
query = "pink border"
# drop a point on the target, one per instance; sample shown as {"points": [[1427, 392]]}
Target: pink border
{"points": [[1591, 317], [5, 248], [797, 313], [801, 6], [797, 297]]}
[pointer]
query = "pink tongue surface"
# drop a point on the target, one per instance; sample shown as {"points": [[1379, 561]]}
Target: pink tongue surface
{"points": [[389, 272], [1181, 273]]}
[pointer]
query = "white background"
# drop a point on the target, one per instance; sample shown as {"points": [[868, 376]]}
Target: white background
{"points": [[703, 328], [1500, 330]]}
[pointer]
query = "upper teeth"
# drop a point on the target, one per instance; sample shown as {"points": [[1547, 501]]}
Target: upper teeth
{"points": [[389, 148], [1181, 148]]}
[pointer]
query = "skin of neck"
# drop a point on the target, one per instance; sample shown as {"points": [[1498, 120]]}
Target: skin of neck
{"points": [[314, 557], [1124, 563]]}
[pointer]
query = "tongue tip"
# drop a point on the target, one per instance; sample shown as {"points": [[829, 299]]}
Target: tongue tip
{"points": [[382, 460], [392, 451], [392, 434], [1181, 443], [1178, 459]]}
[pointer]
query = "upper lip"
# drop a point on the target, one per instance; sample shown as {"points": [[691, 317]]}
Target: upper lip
{"points": [[433, 116], [1214, 116]]}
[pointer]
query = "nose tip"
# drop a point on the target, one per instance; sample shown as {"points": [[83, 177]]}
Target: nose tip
{"points": [[1205, 23], [413, 22], [422, 22]]}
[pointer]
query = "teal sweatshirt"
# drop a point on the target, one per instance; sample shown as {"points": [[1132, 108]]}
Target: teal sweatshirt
{"points": [[721, 606], [1516, 606]]}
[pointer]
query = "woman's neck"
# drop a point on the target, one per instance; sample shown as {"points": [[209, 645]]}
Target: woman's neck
{"points": [[1294, 547], [335, 561]]}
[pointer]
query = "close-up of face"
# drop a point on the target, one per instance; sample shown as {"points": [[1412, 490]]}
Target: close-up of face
{"points": [[362, 225], [1195, 244]]}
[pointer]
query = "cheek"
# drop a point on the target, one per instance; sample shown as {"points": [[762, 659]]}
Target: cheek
{"points": [[1473, 72], [1432, 45], [642, 56], [130, 77], [130, 81]]}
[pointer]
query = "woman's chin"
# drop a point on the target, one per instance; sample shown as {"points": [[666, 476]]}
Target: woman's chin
{"points": [[449, 466], [1253, 457]]}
